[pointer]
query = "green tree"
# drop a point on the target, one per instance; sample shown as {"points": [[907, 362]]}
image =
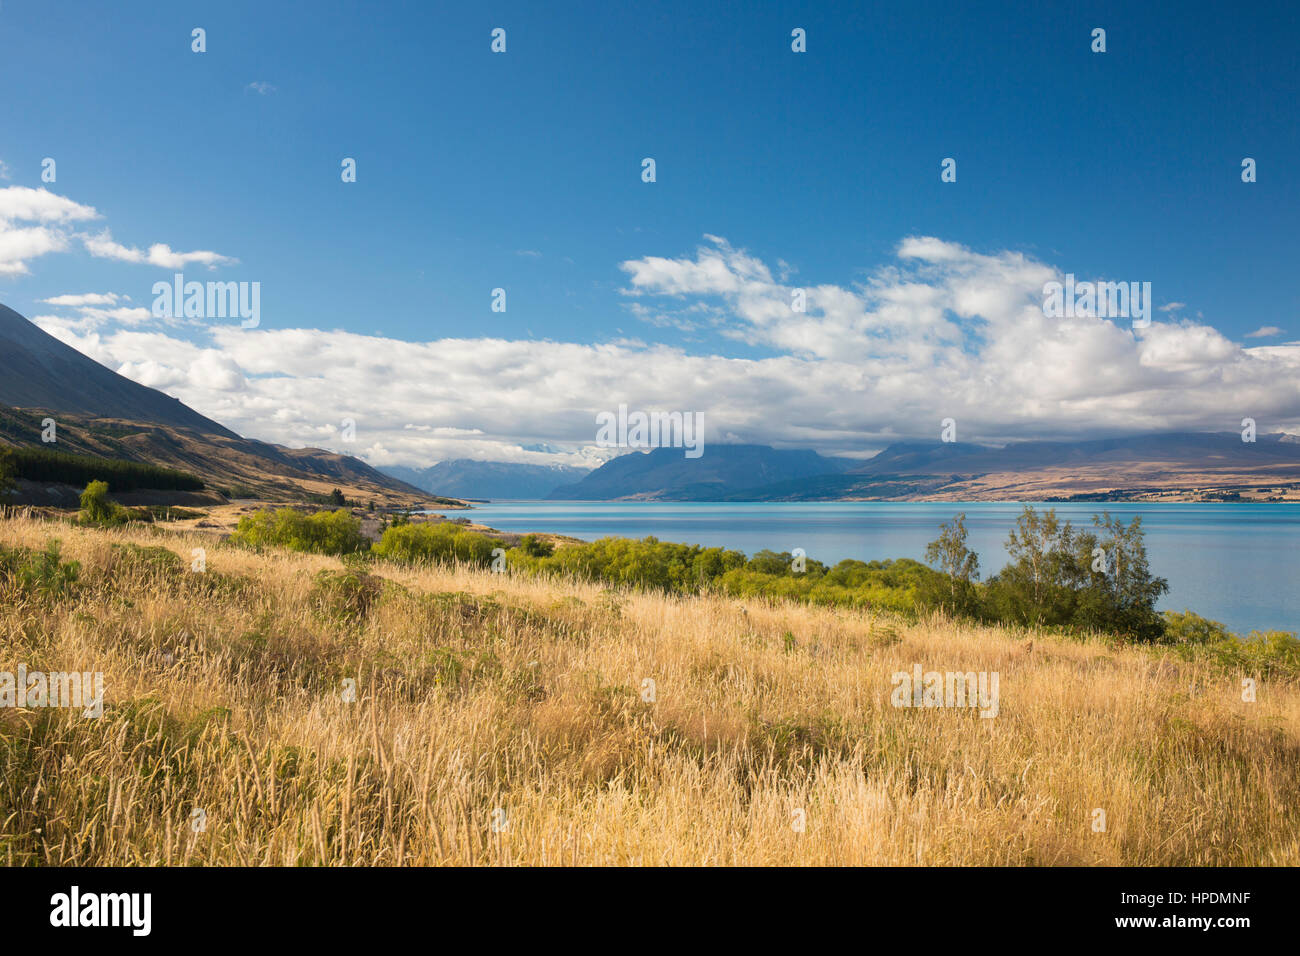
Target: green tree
{"points": [[1040, 586], [337, 498], [1121, 592], [950, 555]]}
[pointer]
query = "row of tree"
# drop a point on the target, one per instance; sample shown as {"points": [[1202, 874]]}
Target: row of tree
{"points": [[44, 464]]}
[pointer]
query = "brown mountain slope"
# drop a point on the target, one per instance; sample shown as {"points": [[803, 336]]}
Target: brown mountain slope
{"points": [[250, 468], [99, 412]]}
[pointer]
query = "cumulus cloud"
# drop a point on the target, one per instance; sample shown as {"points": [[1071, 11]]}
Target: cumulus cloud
{"points": [[33, 223], [37, 222], [941, 331], [94, 310], [103, 246], [85, 298]]}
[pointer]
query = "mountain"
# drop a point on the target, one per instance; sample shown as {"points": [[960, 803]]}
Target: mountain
{"points": [[723, 471], [1169, 466], [1149, 467], [101, 413], [466, 478], [42, 372], [1202, 449]]}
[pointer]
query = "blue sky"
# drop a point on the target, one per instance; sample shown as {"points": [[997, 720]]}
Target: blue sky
{"points": [[522, 170]]}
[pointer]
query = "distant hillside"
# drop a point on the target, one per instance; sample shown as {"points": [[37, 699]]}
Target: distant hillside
{"points": [[723, 471], [101, 413], [1143, 467], [465, 478], [1203, 449]]}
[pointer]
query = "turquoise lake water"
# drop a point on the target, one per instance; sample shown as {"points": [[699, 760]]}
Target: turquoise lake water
{"points": [[1235, 563]]}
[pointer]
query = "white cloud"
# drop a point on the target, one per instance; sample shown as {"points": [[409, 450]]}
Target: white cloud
{"points": [[941, 332], [33, 223], [261, 87], [85, 298], [160, 254], [94, 310], [1264, 332], [37, 222]]}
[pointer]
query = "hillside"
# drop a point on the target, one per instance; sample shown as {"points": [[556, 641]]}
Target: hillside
{"points": [[236, 465], [600, 726], [39, 371], [1164, 465], [101, 413], [466, 478]]}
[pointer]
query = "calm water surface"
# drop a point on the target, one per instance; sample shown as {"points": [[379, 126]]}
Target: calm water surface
{"points": [[1234, 563]]}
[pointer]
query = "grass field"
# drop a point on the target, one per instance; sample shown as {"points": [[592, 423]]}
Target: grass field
{"points": [[504, 720]]}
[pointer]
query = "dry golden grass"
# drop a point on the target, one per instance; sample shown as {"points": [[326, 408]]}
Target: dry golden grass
{"points": [[478, 691]]}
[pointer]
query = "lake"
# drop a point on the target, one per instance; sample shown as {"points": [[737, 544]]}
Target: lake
{"points": [[1234, 563]]}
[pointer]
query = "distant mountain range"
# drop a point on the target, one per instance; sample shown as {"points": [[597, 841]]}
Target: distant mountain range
{"points": [[101, 413], [1168, 466], [465, 478]]}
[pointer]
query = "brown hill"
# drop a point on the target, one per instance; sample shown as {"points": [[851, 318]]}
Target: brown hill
{"points": [[102, 413], [230, 465]]}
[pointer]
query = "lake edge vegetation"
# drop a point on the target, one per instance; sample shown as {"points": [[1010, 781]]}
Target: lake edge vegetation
{"points": [[1061, 579]]}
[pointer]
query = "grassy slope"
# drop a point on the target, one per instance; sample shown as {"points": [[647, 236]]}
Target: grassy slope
{"points": [[478, 691]]}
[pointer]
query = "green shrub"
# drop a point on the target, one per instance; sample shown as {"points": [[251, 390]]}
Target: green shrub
{"points": [[535, 547], [98, 510], [1189, 628], [442, 542], [152, 560], [42, 573], [326, 532]]}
